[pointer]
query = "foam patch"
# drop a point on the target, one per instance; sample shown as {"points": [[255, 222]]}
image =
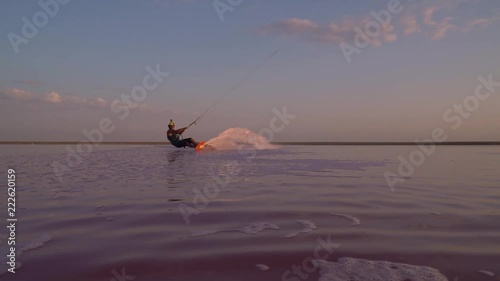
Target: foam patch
{"points": [[354, 220], [308, 227], [262, 267], [487, 273], [365, 270], [31, 245], [253, 228], [37, 243]]}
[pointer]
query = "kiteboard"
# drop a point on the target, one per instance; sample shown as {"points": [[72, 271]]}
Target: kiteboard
{"points": [[203, 146]]}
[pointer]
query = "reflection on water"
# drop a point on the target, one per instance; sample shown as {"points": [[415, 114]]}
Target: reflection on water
{"points": [[176, 165]]}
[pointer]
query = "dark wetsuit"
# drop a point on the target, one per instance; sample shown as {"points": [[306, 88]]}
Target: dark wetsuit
{"points": [[175, 141]]}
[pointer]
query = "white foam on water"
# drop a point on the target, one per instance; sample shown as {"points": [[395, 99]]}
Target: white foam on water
{"points": [[487, 273], [31, 245], [37, 243], [262, 267], [353, 219], [365, 270], [239, 138], [257, 227], [205, 232], [253, 228], [308, 227]]}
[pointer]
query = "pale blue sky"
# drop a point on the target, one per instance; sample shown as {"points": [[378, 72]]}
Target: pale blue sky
{"points": [[426, 59]]}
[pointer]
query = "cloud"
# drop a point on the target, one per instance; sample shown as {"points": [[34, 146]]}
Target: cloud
{"points": [[410, 24], [55, 98], [99, 102], [19, 94], [293, 26], [481, 22], [435, 21], [441, 18], [76, 100], [428, 13], [343, 31], [442, 28], [437, 29]]}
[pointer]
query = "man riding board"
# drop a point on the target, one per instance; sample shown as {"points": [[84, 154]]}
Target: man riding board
{"points": [[173, 136]]}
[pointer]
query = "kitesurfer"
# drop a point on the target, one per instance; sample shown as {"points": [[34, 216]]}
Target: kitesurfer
{"points": [[173, 136]]}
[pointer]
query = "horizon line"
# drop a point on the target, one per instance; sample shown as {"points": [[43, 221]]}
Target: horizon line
{"points": [[276, 143]]}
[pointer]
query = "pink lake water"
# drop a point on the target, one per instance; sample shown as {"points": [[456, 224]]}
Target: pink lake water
{"points": [[136, 211]]}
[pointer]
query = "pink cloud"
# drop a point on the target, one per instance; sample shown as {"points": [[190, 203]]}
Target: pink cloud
{"points": [[428, 14], [410, 24], [291, 26], [481, 22], [441, 29], [53, 97], [99, 102], [75, 100], [415, 19], [438, 28], [18, 94], [343, 31]]}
